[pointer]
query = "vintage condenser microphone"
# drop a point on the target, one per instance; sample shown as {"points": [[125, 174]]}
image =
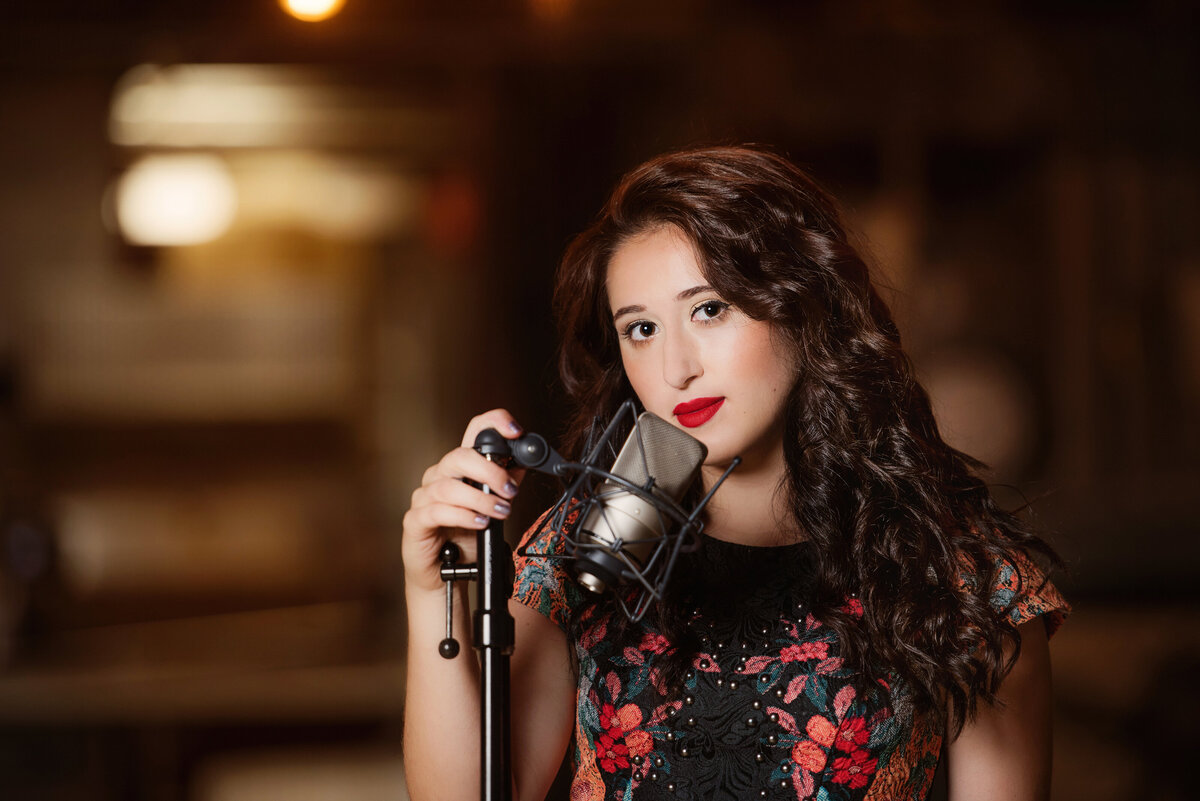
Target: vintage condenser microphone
{"points": [[623, 529], [627, 516]]}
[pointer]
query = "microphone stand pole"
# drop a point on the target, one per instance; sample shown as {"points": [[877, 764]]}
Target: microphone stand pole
{"points": [[494, 635], [494, 638]]}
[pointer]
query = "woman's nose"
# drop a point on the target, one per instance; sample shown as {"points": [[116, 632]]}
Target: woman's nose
{"points": [[681, 361]]}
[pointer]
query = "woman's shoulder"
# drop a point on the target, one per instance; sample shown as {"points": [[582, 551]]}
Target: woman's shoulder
{"points": [[1024, 591], [541, 580], [1021, 589]]}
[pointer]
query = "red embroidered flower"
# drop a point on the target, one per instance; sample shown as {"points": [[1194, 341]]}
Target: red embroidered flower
{"points": [[852, 734], [613, 755], [639, 742], [610, 721], [854, 607], [617, 722], [821, 730], [630, 717], [655, 643], [804, 652], [808, 755], [854, 770]]}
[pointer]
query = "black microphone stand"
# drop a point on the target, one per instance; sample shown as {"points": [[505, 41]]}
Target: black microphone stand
{"points": [[494, 633]]}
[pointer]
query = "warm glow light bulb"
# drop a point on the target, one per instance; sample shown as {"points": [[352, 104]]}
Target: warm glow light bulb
{"points": [[176, 200], [312, 10]]}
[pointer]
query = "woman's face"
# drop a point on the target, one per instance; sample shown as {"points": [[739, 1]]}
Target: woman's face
{"points": [[691, 357]]}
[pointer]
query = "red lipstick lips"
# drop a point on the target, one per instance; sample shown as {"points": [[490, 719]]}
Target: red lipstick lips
{"points": [[697, 412]]}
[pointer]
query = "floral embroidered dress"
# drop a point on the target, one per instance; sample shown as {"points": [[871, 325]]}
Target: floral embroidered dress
{"points": [[767, 710]]}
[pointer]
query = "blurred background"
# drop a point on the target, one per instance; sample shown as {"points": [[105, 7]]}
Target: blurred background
{"points": [[257, 268]]}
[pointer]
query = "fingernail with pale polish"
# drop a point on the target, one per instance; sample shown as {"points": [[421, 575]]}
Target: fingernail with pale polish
{"points": [[514, 428], [510, 489], [480, 520], [502, 508]]}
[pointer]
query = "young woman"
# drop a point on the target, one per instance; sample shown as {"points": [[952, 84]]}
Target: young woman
{"points": [[858, 600]]}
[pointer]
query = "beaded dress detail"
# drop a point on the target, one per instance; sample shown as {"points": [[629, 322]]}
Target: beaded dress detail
{"points": [[767, 709]]}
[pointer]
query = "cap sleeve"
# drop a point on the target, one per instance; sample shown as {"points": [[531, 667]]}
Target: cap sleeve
{"points": [[542, 582], [1023, 592]]}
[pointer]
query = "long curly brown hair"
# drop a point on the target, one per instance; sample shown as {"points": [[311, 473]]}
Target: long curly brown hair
{"points": [[897, 516]]}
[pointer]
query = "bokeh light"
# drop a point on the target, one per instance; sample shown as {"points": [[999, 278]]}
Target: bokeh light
{"points": [[184, 199], [312, 10]]}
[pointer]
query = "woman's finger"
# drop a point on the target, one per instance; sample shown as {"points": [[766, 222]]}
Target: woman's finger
{"points": [[422, 522], [452, 492], [468, 463], [499, 419]]}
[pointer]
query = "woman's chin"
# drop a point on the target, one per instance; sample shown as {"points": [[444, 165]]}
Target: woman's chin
{"points": [[718, 458]]}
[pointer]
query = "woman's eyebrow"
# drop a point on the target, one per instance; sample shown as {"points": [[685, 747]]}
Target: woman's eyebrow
{"points": [[628, 310], [696, 290], [684, 295]]}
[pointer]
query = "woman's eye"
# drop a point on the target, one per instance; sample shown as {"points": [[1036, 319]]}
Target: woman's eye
{"points": [[640, 331], [709, 310]]}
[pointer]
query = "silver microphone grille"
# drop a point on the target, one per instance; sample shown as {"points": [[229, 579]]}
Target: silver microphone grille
{"points": [[672, 456], [620, 522]]}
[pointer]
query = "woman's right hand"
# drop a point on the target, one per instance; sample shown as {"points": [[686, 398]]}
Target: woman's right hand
{"points": [[446, 508]]}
